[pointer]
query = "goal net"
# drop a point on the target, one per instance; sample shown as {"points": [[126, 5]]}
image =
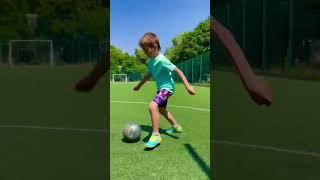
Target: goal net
{"points": [[30, 52], [119, 78]]}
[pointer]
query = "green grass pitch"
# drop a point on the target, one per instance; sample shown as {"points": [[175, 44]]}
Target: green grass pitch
{"points": [[279, 142], [40, 118], [180, 156]]}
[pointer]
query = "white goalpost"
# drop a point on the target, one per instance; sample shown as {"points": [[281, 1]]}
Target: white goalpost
{"points": [[119, 78], [35, 46]]}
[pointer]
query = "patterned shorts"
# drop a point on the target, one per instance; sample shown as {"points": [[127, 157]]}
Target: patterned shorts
{"points": [[162, 97]]}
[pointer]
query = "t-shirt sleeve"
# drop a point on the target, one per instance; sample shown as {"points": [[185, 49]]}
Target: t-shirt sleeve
{"points": [[168, 65]]}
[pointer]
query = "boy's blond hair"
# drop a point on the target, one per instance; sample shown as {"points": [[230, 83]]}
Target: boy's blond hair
{"points": [[149, 40]]}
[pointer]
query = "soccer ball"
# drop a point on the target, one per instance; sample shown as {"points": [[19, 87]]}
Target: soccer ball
{"points": [[131, 132]]}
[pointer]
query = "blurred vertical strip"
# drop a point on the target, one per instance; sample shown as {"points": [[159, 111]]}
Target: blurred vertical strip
{"points": [[103, 3]]}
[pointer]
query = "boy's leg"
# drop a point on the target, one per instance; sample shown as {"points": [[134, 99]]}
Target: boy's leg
{"points": [[155, 138], [155, 118], [168, 116], [159, 101], [175, 126]]}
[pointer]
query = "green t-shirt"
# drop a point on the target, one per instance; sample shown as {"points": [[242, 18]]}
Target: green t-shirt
{"points": [[161, 69]]}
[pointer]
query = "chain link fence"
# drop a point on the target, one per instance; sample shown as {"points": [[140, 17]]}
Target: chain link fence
{"points": [[278, 37]]}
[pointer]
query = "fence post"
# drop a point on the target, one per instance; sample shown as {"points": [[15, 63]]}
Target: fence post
{"points": [[264, 34], [89, 55], [192, 70], [10, 53], [186, 62], [200, 69], [290, 35], [244, 11]]}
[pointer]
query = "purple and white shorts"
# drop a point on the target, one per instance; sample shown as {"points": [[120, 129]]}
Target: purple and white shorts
{"points": [[162, 97]]}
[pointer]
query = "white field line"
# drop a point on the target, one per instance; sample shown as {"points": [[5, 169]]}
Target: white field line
{"points": [[230, 143], [269, 148], [55, 128], [185, 107]]}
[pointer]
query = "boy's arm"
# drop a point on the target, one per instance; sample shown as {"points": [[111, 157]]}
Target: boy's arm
{"points": [[258, 89], [89, 81], [185, 81], [144, 80]]}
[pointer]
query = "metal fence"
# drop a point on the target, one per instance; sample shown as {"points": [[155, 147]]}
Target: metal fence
{"points": [[196, 69], [273, 34], [4, 50], [53, 52]]}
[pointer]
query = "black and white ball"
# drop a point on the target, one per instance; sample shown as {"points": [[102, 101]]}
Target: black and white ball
{"points": [[131, 132]]}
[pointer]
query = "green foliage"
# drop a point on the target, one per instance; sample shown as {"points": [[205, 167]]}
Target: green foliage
{"points": [[189, 44], [56, 19], [11, 23], [129, 64], [140, 56], [70, 18]]}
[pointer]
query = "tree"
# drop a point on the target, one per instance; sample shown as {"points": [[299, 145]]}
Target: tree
{"points": [[189, 44], [11, 20], [140, 56], [56, 19], [129, 64]]}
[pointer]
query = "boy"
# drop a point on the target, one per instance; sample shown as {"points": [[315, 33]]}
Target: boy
{"points": [[160, 68], [259, 91]]}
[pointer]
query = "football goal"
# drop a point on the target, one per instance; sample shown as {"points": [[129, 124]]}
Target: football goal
{"points": [[119, 78], [30, 52]]}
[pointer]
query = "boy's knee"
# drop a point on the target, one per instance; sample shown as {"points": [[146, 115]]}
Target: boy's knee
{"points": [[163, 111], [153, 106]]}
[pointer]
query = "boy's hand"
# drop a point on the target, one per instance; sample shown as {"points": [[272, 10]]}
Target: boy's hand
{"points": [[85, 84], [191, 90], [136, 88], [261, 92]]}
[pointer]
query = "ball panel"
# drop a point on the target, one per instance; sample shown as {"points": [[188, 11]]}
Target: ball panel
{"points": [[132, 132]]}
